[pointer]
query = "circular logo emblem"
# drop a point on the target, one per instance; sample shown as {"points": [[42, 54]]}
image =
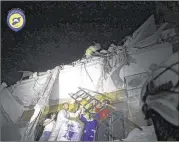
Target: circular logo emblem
{"points": [[16, 19]]}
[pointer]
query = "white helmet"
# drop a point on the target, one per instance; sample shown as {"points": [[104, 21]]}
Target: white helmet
{"points": [[161, 91]]}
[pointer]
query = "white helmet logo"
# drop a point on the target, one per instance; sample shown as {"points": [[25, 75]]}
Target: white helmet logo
{"points": [[16, 20]]}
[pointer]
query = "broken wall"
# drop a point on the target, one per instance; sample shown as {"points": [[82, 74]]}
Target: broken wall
{"points": [[78, 76], [143, 54], [147, 57], [21, 96], [10, 106], [27, 91], [3, 120], [144, 60], [10, 133], [11, 111], [55, 93]]}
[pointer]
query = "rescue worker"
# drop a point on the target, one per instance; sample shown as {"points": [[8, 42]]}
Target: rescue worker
{"points": [[104, 110], [49, 123], [160, 99], [90, 126], [62, 123], [94, 51]]}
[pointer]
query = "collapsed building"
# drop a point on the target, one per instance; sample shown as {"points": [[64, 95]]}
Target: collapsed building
{"points": [[118, 77]]}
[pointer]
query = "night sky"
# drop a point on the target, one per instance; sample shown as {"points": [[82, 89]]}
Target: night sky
{"points": [[59, 32]]}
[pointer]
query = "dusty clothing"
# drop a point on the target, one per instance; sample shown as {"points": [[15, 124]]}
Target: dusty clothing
{"points": [[74, 131], [90, 127], [47, 130], [61, 127], [45, 136], [49, 127]]}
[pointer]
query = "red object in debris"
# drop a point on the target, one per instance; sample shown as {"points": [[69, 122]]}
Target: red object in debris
{"points": [[104, 113]]}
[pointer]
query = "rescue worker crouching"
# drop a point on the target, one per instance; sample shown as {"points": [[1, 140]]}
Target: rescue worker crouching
{"points": [[94, 51]]}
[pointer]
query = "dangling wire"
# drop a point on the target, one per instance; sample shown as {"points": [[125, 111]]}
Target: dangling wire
{"points": [[89, 76], [88, 73]]}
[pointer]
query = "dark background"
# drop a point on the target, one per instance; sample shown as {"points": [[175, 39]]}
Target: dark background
{"points": [[59, 32]]}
